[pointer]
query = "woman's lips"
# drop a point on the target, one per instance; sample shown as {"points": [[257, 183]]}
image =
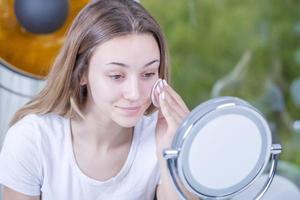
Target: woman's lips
{"points": [[130, 110]]}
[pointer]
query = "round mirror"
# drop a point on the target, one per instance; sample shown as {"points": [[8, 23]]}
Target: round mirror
{"points": [[222, 146]]}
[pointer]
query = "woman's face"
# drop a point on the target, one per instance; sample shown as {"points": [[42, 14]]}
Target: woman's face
{"points": [[121, 74]]}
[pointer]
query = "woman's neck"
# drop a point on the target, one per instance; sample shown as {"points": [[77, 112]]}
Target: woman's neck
{"points": [[100, 134]]}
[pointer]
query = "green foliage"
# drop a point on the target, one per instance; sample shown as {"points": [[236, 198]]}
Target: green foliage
{"points": [[207, 40]]}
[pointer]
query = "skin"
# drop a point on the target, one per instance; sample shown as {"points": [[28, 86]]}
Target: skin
{"points": [[121, 74]]}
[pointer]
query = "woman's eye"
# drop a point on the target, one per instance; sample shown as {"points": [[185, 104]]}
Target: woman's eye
{"points": [[116, 77], [148, 75]]}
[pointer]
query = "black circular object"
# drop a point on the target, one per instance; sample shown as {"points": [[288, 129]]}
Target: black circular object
{"points": [[41, 16]]}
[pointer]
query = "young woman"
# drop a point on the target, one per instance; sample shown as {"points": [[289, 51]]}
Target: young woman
{"points": [[93, 132]]}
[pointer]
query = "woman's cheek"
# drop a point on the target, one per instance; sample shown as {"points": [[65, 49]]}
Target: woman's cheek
{"points": [[106, 93], [147, 88]]}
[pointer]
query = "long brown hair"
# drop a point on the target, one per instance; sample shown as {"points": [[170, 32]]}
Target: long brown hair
{"points": [[96, 23]]}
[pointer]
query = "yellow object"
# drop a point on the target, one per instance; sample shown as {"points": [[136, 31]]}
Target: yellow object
{"points": [[28, 53]]}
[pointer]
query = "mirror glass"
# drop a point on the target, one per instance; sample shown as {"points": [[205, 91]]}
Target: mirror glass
{"points": [[239, 142]]}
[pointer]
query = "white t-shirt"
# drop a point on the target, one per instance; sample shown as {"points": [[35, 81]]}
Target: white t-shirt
{"points": [[37, 159]]}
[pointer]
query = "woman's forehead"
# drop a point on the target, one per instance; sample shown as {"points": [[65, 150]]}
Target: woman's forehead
{"points": [[133, 49]]}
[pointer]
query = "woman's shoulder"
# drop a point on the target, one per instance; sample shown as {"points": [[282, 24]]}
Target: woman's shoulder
{"points": [[34, 125], [40, 118], [37, 120], [23, 153]]}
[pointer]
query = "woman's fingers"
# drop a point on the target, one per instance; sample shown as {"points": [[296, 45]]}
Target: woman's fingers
{"points": [[175, 95], [172, 108], [176, 101], [171, 114]]}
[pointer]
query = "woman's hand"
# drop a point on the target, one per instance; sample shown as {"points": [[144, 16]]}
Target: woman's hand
{"points": [[172, 111]]}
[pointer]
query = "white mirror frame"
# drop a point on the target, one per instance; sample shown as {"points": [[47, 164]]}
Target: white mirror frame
{"points": [[182, 141]]}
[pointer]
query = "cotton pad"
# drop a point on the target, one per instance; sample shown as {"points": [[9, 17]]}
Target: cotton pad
{"points": [[154, 98]]}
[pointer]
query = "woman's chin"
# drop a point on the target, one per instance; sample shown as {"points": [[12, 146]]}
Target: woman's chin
{"points": [[128, 118], [126, 121]]}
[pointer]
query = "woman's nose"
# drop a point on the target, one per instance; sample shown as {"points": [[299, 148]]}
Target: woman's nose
{"points": [[132, 89]]}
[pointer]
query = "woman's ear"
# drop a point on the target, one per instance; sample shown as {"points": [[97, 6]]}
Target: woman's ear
{"points": [[83, 79]]}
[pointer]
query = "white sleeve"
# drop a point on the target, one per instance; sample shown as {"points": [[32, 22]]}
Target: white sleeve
{"points": [[20, 163]]}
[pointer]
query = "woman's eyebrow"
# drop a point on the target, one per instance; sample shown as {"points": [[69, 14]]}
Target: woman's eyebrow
{"points": [[152, 62], [125, 65]]}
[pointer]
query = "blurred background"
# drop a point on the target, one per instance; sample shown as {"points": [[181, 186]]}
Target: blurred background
{"points": [[249, 49]]}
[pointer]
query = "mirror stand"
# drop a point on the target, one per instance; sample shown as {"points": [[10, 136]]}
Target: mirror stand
{"points": [[275, 151]]}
